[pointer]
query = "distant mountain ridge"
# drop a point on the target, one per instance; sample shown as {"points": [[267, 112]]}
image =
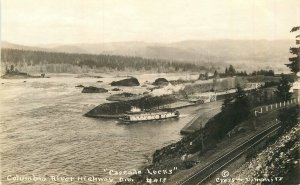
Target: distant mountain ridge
{"points": [[5, 44], [260, 52]]}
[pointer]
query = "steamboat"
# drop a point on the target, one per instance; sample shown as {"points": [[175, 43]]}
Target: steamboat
{"points": [[137, 115]]}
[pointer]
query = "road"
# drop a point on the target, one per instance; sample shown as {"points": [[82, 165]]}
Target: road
{"points": [[204, 113], [209, 170]]}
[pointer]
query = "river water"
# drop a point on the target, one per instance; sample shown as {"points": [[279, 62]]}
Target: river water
{"points": [[43, 132]]}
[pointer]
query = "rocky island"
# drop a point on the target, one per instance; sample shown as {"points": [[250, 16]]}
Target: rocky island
{"points": [[126, 82], [160, 82], [92, 89], [14, 73], [117, 109]]}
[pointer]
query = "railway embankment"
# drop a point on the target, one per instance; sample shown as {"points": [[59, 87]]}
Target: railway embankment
{"points": [[195, 151]]}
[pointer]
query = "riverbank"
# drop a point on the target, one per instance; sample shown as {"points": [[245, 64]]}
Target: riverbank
{"points": [[188, 156]]}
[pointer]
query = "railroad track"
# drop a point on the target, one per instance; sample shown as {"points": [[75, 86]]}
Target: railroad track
{"points": [[209, 170]]}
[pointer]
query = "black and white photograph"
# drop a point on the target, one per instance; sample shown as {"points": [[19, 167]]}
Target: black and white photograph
{"points": [[150, 92]]}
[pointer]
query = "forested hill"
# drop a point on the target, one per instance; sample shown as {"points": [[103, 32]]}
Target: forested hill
{"points": [[247, 55], [56, 62]]}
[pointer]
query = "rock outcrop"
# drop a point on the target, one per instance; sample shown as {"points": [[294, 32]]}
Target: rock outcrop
{"points": [[126, 82], [79, 86], [161, 82], [92, 89], [88, 76], [116, 89], [120, 107]]}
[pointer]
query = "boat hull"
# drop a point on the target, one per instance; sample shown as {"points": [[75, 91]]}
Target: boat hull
{"points": [[149, 117]]}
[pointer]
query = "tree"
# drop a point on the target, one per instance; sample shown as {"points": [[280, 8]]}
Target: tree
{"points": [[257, 97], [226, 105], [234, 111], [226, 117], [72, 62], [294, 64], [6, 70], [206, 76], [271, 73], [283, 88], [231, 70], [12, 68], [241, 105], [288, 118], [216, 74]]}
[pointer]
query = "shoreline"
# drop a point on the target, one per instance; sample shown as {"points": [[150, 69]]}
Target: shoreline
{"points": [[160, 161]]}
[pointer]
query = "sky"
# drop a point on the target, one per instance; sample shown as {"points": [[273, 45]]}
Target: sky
{"points": [[33, 22]]}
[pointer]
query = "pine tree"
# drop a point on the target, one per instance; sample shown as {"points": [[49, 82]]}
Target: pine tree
{"points": [[231, 70], [216, 73], [283, 89], [234, 111], [294, 64], [241, 105], [226, 71]]}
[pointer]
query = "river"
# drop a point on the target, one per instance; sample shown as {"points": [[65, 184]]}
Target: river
{"points": [[43, 132]]}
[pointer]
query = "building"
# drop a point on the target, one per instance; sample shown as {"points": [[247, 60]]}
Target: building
{"points": [[255, 85]]}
